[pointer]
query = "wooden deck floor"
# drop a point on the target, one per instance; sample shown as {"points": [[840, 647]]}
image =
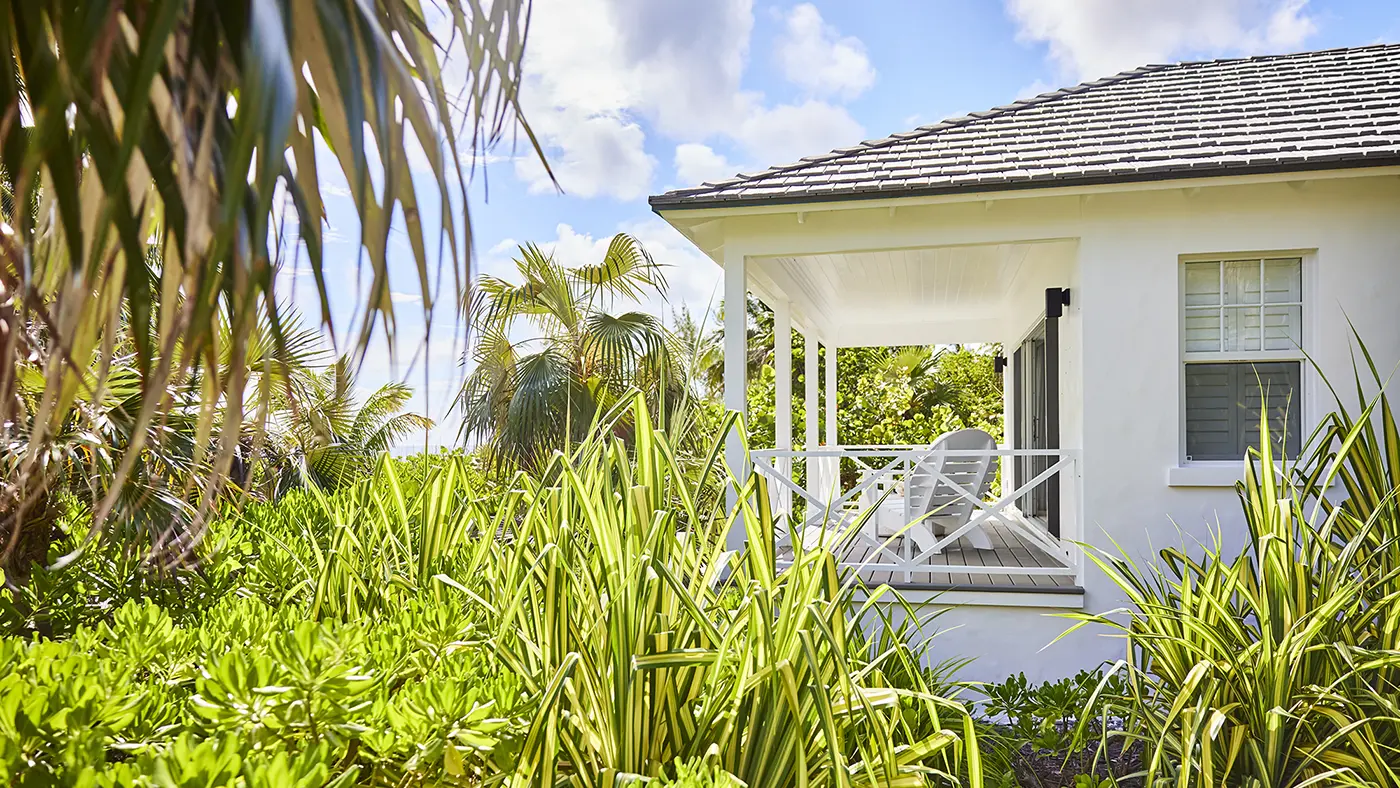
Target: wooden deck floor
{"points": [[1008, 549]]}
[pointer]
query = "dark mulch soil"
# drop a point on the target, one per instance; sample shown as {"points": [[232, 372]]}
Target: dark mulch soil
{"points": [[1049, 769]]}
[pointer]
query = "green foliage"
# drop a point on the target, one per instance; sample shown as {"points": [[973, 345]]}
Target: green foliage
{"points": [[1043, 715], [884, 395], [931, 391], [699, 774], [1035, 730], [421, 627], [116, 568], [253, 693], [171, 169]]}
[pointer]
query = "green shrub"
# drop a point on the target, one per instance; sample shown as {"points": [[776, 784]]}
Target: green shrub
{"points": [[1034, 735]]}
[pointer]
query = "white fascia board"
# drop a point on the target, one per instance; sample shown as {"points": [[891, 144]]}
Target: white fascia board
{"points": [[674, 215]]}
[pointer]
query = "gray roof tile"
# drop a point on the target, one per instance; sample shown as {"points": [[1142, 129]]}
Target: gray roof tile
{"points": [[1339, 107]]}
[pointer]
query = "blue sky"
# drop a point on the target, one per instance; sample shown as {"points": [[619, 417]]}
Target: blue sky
{"points": [[633, 97]]}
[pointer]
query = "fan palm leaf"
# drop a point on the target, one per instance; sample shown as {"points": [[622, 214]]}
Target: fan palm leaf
{"points": [[550, 405], [613, 346], [626, 271]]}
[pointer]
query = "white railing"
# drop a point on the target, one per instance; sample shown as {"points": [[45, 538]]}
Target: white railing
{"points": [[902, 508]]}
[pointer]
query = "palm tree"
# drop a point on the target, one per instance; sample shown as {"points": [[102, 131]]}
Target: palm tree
{"points": [[189, 127], [917, 366], [549, 356], [153, 506], [333, 437]]}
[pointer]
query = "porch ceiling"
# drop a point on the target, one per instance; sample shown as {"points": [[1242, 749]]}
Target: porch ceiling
{"points": [[903, 286]]}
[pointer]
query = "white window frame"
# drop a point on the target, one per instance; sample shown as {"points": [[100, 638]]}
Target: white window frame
{"points": [[1231, 468]]}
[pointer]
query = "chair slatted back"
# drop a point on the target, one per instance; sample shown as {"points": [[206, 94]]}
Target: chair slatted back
{"points": [[933, 496]]}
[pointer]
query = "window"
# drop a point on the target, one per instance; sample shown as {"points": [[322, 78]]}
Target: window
{"points": [[1243, 326]]}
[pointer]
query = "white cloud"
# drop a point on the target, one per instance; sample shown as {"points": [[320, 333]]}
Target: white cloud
{"points": [[790, 131], [602, 75], [1096, 38], [815, 56], [595, 67], [771, 136], [406, 298], [696, 164], [590, 156], [686, 60]]}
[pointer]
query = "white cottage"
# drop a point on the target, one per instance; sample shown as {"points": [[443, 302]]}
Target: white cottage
{"points": [[1146, 248]]}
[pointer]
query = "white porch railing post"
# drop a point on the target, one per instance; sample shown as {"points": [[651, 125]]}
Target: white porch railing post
{"points": [[831, 394], [811, 407], [782, 397], [735, 371]]}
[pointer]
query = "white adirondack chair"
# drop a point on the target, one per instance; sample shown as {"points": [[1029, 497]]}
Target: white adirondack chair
{"points": [[941, 507]]}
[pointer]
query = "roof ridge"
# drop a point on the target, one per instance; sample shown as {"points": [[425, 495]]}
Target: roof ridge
{"points": [[943, 125], [1302, 53]]}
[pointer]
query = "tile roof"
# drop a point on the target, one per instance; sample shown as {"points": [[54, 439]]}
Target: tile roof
{"points": [[1315, 110]]}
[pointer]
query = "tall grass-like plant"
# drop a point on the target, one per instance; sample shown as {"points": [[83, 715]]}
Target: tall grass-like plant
{"points": [[1360, 454], [1278, 666], [603, 582], [647, 642], [369, 547]]}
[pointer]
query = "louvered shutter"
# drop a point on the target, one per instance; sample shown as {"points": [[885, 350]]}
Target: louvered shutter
{"points": [[1211, 418], [1223, 403]]}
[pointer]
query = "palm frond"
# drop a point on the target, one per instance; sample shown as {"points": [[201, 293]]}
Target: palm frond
{"points": [[614, 345], [582, 359], [627, 271], [395, 429], [380, 406], [190, 127]]}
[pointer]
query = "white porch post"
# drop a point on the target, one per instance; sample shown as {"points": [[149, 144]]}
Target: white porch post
{"points": [[830, 394], [782, 397], [811, 405], [735, 371], [817, 483]]}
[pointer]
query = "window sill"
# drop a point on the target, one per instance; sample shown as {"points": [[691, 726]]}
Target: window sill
{"points": [[1206, 474], [1210, 474]]}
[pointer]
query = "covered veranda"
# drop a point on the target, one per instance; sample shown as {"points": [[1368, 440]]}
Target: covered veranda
{"points": [[964, 513]]}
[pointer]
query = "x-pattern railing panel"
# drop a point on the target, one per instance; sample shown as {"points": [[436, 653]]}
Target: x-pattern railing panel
{"points": [[836, 517], [891, 466]]}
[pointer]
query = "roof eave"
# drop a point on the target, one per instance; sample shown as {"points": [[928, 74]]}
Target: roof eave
{"points": [[1353, 160]]}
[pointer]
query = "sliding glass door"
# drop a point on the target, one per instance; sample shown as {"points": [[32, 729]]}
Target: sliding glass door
{"points": [[1032, 411]]}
